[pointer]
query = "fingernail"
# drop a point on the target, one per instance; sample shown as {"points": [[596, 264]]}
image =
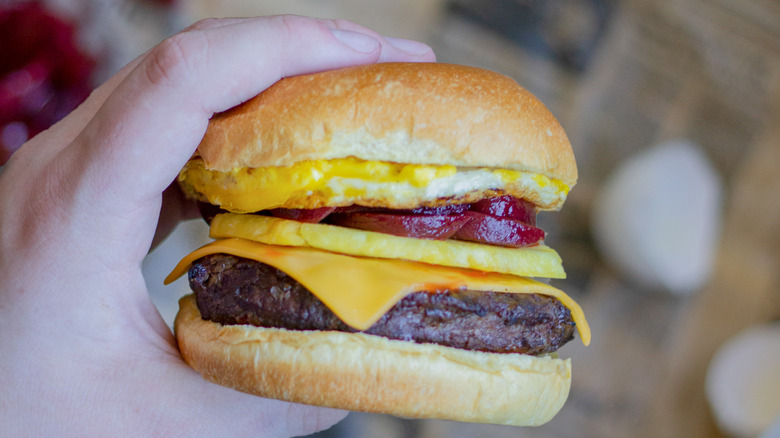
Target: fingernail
{"points": [[409, 46], [356, 40]]}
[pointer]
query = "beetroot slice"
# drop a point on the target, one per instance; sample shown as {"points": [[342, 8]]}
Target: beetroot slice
{"points": [[438, 227], [208, 211], [453, 209], [498, 231], [507, 207], [423, 211], [312, 216]]}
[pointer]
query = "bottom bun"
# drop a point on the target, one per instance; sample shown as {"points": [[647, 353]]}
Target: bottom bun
{"points": [[367, 373]]}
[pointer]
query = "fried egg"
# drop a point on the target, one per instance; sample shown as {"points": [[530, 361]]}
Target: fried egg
{"points": [[351, 181]]}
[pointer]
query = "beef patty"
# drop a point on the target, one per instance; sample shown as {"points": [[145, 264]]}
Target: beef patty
{"points": [[234, 290]]}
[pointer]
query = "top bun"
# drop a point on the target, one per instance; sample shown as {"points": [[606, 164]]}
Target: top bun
{"points": [[423, 113]]}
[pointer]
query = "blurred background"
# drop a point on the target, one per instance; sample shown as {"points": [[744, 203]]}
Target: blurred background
{"points": [[671, 238]]}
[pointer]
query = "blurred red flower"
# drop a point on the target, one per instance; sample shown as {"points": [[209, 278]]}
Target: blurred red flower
{"points": [[43, 73]]}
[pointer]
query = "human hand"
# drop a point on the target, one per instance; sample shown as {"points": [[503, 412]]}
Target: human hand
{"points": [[83, 351]]}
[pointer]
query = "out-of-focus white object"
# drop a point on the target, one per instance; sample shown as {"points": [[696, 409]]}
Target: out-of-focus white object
{"points": [[657, 217], [773, 431], [743, 383]]}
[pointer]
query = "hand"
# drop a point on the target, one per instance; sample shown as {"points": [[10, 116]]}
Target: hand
{"points": [[83, 351]]}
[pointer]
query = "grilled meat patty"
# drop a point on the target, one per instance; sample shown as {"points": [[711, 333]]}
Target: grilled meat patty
{"points": [[234, 290]]}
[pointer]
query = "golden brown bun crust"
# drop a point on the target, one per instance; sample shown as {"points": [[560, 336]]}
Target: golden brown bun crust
{"points": [[373, 374], [426, 113]]}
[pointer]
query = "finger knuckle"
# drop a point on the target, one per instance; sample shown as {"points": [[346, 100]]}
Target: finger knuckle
{"points": [[207, 23], [342, 23], [172, 61], [293, 25]]}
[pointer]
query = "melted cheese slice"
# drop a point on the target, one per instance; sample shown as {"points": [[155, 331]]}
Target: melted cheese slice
{"points": [[360, 290]]}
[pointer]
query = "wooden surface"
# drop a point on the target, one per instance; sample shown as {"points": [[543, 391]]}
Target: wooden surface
{"points": [[745, 291]]}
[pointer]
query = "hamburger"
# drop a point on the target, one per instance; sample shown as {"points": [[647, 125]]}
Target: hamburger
{"points": [[376, 246]]}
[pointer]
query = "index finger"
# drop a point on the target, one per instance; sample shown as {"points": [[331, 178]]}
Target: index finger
{"points": [[157, 115]]}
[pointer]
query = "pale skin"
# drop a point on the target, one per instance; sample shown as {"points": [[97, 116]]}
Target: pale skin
{"points": [[83, 351]]}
